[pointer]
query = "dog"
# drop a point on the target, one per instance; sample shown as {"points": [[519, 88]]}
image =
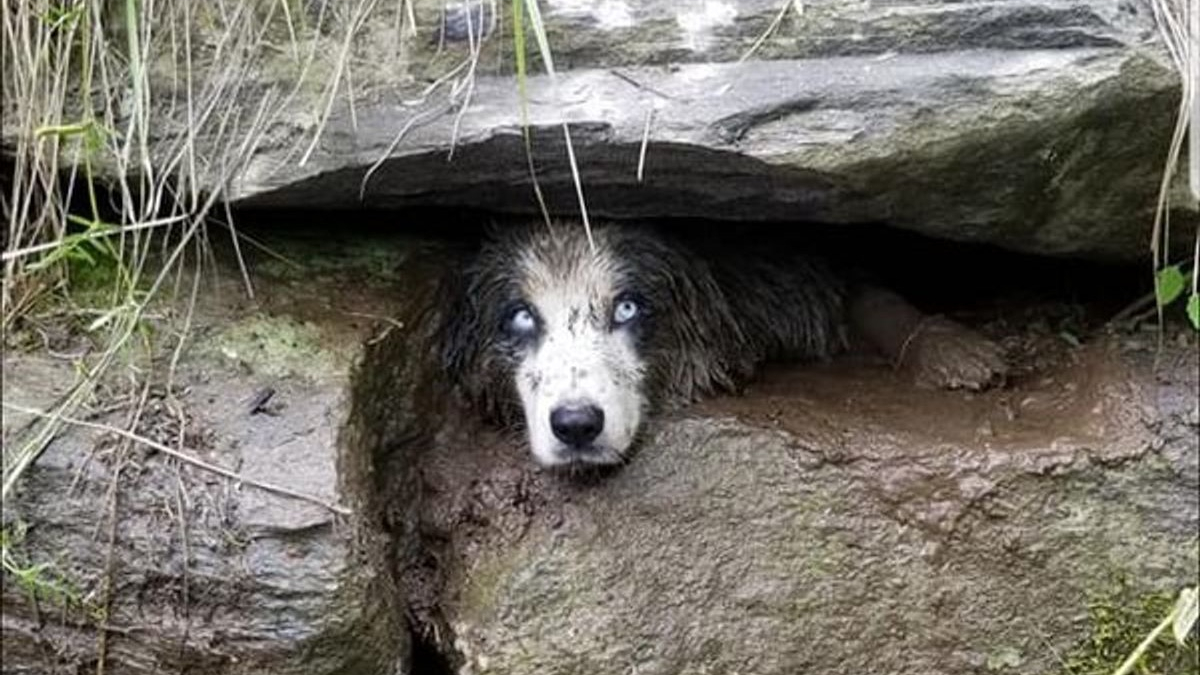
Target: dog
{"points": [[584, 334]]}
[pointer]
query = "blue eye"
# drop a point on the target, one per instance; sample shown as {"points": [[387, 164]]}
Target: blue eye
{"points": [[624, 311], [521, 321]]}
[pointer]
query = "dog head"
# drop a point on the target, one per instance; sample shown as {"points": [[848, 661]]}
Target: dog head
{"points": [[583, 336]]}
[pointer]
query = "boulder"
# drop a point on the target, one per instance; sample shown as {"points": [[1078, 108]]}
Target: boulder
{"points": [[150, 564], [831, 520], [1040, 127], [1036, 126]]}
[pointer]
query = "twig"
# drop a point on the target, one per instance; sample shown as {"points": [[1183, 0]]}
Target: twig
{"points": [[641, 167], [377, 317], [114, 490], [419, 118], [109, 560], [356, 19], [476, 43], [86, 236], [1140, 651], [583, 210], [182, 456], [640, 85], [769, 31], [1132, 308], [182, 508]]}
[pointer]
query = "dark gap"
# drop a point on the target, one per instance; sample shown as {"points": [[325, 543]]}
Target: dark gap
{"points": [[936, 274], [426, 658]]}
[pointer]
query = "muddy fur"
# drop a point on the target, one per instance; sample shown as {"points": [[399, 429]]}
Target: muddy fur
{"points": [[708, 317], [711, 323]]}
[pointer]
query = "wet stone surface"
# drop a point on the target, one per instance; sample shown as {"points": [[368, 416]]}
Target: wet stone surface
{"points": [[187, 570], [1038, 126], [833, 518]]}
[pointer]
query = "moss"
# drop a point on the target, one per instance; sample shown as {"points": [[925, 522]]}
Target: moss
{"points": [[1119, 620], [278, 346], [484, 582]]}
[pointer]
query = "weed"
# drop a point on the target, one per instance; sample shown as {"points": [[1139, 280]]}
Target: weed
{"points": [[1170, 282], [1121, 619], [1179, 26], [41, 582]]}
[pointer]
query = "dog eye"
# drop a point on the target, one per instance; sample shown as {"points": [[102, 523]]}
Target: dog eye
{"points": [[624, 311], [521, 321]]}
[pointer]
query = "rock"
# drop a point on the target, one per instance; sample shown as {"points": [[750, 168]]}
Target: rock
{"points": [[207, 574], [1035, 126], [832, 520]]}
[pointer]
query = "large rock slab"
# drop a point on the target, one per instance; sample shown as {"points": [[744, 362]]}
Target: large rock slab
{"points": [[832, 520], [1038, 126], [1035, 125], [1016, 148]]}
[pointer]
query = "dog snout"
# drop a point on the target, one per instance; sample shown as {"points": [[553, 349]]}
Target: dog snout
{"points": [[577, 425]]}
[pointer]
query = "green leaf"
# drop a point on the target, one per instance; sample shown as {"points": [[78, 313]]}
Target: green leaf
{"points": [[1193, 310], [1186, 609], [1169, 282], [79, 254], [102, 248], [88, 223]]}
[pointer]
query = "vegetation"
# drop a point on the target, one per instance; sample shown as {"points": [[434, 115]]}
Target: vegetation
{"points": [[1179, 26], [1150, 634], [44, 583]]}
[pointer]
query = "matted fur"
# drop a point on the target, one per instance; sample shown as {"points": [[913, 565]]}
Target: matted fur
{"points": [[705, 321]]}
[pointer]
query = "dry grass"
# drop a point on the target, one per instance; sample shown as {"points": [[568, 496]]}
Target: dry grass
{"points": [[1179, 27], [125, 120]]}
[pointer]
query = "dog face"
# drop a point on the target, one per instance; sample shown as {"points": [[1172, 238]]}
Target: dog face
{"points": [[575, 358], [580, 335]]}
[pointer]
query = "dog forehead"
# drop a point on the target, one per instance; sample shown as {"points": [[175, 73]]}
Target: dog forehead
{"points": [[566, 272]]}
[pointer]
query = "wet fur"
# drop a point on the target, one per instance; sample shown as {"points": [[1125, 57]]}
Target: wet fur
{"points": [[712, 317]]}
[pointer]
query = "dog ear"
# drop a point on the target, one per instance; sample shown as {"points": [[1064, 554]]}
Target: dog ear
{"points": [[695, 345], [469, 348], [459, 344]]}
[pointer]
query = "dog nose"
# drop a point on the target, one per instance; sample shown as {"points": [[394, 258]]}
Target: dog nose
{"points": [[577, 425]]}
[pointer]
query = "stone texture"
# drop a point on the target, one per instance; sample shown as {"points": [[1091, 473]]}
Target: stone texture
{"points": [[207, 574], [1035, 126], [832, 520]]}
